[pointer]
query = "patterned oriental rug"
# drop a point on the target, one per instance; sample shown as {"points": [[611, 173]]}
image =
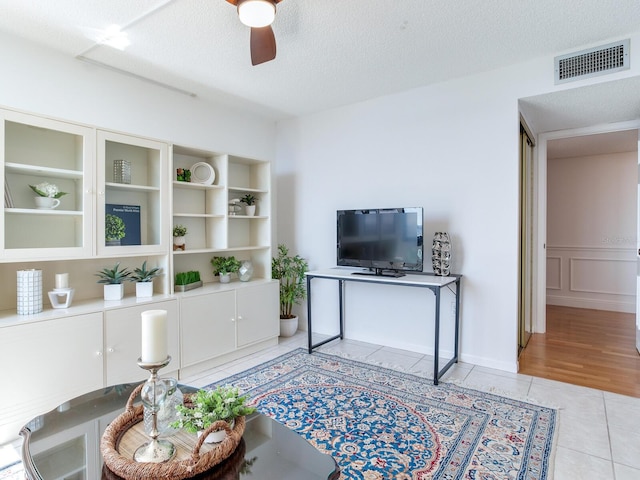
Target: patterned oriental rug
{"points": [[384, 424]]}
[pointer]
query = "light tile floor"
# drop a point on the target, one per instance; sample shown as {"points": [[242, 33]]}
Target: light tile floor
{"points": [[598, 434]]}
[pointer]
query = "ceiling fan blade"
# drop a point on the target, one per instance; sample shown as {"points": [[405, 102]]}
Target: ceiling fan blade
{"points": [[263, 45]]}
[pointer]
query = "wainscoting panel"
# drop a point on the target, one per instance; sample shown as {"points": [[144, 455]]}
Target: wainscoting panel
{"points": [[601, 278]]}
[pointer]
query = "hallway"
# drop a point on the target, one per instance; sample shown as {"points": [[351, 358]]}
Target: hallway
{"points": [[591, 348]]}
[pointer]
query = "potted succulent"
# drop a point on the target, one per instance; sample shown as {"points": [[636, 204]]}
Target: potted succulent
{"points": [[48, 195], [113, 278], [250, 201], [187, 281], [203, 409], [224, 267], [179, 231], [144, 280], [114, 230], [290, 271]]}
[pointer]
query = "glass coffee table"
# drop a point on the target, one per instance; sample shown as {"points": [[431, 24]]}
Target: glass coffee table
{"points": [[65, 444]]}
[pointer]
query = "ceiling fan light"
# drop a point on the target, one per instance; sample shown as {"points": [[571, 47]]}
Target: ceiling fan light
{"points": [[257, 13]]}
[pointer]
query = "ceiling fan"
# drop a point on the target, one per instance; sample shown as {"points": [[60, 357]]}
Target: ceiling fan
{"points": [[259, 14]]}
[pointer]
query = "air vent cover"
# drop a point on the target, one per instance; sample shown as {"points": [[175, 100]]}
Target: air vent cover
{"points": [[592, 62]]}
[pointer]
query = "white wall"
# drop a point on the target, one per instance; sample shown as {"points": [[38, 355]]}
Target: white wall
{"points": [[591, 231], [49, 83], [451, 148]]}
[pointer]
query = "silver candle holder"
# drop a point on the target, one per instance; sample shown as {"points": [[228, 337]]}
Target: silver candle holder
{"points": [[153, 394]]}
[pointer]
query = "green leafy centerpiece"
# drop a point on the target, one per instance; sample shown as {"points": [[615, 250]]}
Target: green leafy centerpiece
{"points": [[185, 281], [209, 406], [224, 267]]}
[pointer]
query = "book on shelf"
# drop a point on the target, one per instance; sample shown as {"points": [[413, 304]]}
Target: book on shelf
{"points": [[8, 199], [130, 215]]}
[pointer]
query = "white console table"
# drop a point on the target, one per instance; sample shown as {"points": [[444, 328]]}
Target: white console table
{"points": [[420, 280]]}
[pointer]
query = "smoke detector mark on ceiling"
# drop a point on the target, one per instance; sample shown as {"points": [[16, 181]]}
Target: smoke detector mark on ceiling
{"points": [[601, 60]]}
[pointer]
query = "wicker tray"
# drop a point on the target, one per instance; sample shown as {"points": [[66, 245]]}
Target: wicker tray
{"points": [[126, 433]]}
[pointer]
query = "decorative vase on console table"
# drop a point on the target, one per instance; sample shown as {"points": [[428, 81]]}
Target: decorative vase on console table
{"points": [[441, 254]]}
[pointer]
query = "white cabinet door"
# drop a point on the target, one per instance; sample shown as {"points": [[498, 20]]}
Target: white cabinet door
{"points": [[123, 340], [208, 325], [141, 200], [48, 362], [258, 313], [35, 150]]}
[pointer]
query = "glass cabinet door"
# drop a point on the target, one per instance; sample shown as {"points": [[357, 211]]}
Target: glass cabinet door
{"points": [[50, 156], [132, 211]]}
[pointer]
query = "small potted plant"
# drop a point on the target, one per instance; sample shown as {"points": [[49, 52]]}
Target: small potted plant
{"points": [[114, 230], [290, 271], [203, 409], [185, 281], [144, 280], [250, 201], [179, 231], [113, 278], [224, 267], [48, 195]]}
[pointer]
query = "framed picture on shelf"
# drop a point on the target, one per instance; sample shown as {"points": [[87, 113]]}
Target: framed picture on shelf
{"points": [[130, 215]]}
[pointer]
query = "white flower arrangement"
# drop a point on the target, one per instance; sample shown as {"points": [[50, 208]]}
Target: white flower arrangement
{"points": [[46, 189]]}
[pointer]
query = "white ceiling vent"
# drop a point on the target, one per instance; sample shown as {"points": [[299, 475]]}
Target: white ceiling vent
{"points": [[592, 62]]}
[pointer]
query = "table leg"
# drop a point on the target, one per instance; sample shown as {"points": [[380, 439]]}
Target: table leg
{"points": [[436, 348]]}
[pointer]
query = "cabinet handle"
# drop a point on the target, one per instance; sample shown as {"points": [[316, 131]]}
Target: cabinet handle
{"points": [[110, 350], [233, 319], [99, 353], [239, 318]]}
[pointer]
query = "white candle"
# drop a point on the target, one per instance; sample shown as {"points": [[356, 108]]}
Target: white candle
{"points": [[62, 280], [154, 336]]}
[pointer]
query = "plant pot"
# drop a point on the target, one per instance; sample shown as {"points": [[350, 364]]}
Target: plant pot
{"points": [[179, 243], [288, 326], [225, 277], [188, 286], [46, 203], [144, 289], [112, 243], [250, 210], [113, 291], [218, 435]]}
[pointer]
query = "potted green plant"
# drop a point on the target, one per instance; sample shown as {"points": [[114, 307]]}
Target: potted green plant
{"points": [[114, 230], [113, 279], [48, 195], [144, 280], [250, 201], [290, 271], [203, 409], [179, 231], [224, 267], [187, 281]]}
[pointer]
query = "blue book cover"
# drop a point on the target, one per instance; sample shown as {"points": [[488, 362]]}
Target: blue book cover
{"points": [[130, 215]]}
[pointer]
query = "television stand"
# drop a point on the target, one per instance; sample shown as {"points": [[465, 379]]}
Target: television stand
{"points": [[422, 281], [379, 272]]}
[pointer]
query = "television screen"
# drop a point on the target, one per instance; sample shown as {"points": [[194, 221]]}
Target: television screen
{"points": [[380, 239]]}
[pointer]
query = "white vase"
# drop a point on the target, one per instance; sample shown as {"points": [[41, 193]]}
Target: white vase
{"points": [[288, 326], [113, 291], [225, 277], [250, 210], [29, 292], [144, 289]]}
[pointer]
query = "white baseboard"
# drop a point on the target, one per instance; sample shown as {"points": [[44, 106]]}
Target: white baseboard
{"points": [[594, 304]]}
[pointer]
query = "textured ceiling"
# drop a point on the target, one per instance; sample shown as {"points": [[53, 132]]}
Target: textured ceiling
{"points": [[330, 52]]}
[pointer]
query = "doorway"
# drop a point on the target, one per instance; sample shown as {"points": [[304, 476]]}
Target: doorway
{"points": [[590, 275]]}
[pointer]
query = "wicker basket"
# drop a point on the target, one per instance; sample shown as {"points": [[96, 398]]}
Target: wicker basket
{"points": [[193, 458]]}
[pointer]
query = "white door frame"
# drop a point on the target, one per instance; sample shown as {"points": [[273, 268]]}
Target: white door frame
{"points": [[540, 292]]}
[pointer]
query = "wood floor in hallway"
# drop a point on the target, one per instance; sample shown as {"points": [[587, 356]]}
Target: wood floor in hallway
{"points": [[592, 348]]}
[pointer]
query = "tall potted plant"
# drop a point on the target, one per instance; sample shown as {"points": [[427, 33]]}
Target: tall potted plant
{"points": [[290, 271]]}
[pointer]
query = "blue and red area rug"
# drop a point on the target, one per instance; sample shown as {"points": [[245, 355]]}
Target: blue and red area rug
{"points": [[383, 424]]}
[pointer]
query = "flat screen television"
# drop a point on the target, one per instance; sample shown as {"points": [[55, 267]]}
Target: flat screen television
{"points": [[387, 241]]}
